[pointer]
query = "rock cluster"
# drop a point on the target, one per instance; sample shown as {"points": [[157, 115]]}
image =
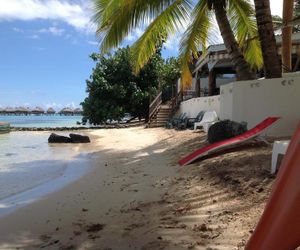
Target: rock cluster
{"points": [[74, 138]]}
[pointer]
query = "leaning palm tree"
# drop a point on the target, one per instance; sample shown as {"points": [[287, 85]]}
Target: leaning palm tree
{"points": [[267, 38], [192, 19]]}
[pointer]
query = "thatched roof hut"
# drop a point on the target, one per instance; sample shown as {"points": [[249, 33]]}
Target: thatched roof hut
{"points": [[66, 111], [50, 111], [78, 111], [22, 111], [37, 111], [9, 110]]}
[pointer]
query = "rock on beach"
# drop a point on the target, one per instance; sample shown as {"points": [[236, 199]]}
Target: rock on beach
{"points": [[74, 138]]}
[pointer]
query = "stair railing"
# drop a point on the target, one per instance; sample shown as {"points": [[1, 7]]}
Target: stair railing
{"points": [[175, 102], [154, 106]]}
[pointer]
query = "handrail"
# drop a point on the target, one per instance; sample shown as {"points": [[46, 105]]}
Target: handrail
{"points": [[175, 101], [155, 104]]}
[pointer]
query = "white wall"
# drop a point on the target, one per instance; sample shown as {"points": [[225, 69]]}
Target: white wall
{"points": [[253, 101], [219, 82], [193, 106]]}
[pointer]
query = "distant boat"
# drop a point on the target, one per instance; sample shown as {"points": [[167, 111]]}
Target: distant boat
{"points": [[4, 127]]}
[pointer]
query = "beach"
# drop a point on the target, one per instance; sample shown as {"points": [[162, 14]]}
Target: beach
{"points": [[135, 196]]}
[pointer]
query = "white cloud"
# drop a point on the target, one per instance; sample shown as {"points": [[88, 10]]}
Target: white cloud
{"points": [[34, 37], [18, 30], [93, 43], [172, 43], [54, 105], [52, 30], [76, 14], [71, 105], [40, 49]]}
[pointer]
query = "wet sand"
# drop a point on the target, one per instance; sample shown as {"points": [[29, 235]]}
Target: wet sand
{"points": [[137, 197]]}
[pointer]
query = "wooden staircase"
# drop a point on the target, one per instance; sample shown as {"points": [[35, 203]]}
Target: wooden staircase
{"points": [[163, 113], [159, 113]]}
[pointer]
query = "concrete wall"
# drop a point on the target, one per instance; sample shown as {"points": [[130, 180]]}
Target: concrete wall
{"points": [[193, 106], [253, 101]]}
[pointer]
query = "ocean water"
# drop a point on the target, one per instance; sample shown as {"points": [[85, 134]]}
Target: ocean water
{"points": [[41, 121], [28, 162]]}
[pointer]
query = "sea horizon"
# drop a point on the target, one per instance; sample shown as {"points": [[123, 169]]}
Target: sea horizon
{"points": [[42, 121]]}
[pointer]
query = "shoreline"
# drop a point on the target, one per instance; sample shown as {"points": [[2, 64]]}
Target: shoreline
{"points": [[71, 173], [55, 170], [112, 126], [137, 197]]}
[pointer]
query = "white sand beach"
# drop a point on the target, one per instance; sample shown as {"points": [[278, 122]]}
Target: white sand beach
{"points": [[137, 197]]}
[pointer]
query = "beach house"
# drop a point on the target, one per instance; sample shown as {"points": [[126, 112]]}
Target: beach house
{"points": [[214, 69]]}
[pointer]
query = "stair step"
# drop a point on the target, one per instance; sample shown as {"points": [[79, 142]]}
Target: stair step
{"points": [[164, 112], [156, 125], [163, 115]]}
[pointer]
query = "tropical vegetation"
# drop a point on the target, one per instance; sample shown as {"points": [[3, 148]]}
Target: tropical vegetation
{"points": [[193, 20], [113, 88]]}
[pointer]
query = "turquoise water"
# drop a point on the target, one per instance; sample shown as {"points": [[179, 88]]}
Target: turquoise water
{"points": [[27, 160], [30, 167], [41, 121]]}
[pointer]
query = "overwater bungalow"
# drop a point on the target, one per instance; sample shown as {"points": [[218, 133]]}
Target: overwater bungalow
{"points": [[22, 111], [50, 111], [9, 111], [78, 111], [38, 111], [66, 111]]}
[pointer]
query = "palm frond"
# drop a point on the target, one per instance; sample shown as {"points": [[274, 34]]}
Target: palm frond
{"points": [[115, 19], [194, 38], [170, 21], [242, 19]]}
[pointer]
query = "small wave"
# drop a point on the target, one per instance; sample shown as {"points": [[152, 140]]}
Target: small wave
{"points": [[10, 154], [30, 147]]}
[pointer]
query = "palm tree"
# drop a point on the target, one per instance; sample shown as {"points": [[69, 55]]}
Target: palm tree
{"points": [[115, 19], [287, 16], [267, 38]]}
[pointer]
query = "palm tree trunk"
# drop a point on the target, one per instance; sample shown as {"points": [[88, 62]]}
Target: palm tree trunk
{"points": [[242, 68], [267, 39], [286, 54]]}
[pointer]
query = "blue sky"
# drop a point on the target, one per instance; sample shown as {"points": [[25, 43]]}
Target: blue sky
{"points": [[44, 51]]}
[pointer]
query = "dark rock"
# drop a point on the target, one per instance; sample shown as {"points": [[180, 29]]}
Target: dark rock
{"points": [[76, 138], [224, 130], [55, 138]]}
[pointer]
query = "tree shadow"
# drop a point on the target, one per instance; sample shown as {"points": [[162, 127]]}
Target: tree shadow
{"points": [[203, 205]]}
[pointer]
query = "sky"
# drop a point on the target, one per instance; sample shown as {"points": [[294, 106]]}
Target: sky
{"points": [[45, 47]]}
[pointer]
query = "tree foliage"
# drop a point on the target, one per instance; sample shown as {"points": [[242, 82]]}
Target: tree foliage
{"points": [[115, 19], [113, 88]]}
